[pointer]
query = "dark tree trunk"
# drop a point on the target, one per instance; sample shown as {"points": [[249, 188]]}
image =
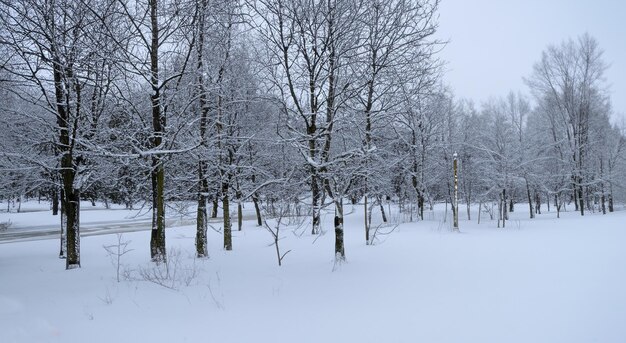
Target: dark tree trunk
{"points": [[201, 228], [505, 215], [239, 206], [157, 239], [367, 223], [538, 203], [581, 200], [203, 110], [420, 205], [228, 236], [214, 208], [557, 204], [530, 201], [63, 237], [315, 191], [574, 198], [72, 214], [71, 196], [340, 254], [55, 201], [257, 209], [201, 215], [382, 210], [239, 215]]}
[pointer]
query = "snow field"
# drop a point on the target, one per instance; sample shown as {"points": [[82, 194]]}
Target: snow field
{"points": [[542, 280]]}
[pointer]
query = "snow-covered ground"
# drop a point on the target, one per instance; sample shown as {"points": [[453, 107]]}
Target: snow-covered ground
{"points": [[541, 280]]}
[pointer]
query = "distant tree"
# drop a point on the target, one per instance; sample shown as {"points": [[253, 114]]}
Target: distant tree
{"points": [[568, 85], [397, 49]]}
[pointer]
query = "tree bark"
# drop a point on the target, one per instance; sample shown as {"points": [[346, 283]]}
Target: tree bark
{"points": [[63, 238], [55, 201], [581, 199], [530, 200], [367, 227], [201, 227], [239, 215], [228, 236], [340, 254], [214, 208], [382, 209], [157, 239], [71, 196], [257, 209], [203, 111], [72, 215]]}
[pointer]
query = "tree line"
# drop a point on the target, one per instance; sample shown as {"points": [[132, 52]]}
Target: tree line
{"points": [[284, 103]]}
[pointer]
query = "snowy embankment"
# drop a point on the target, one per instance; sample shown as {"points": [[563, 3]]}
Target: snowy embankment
{"points": [[541, 280]]}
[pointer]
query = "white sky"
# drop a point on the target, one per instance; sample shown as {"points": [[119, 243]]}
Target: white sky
{"points": [[494, 43]]}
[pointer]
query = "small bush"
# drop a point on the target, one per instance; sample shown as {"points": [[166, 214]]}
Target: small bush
{"points": [[173, 273], [4, 226]]}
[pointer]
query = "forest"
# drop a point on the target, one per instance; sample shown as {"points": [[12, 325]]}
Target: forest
{"points": [[292, 107]]}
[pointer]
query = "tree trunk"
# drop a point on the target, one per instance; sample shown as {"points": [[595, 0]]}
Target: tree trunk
{"points": [[367, 227], [157, 239], [602, 196], [257, 209], [55, 201], [581, 200], [603, 201], [315, 191], [215, 207], [611, 209], [382, 209], [63, 238], [503, 206], [157, 235], [201, 215], [505, 214], [340, 254], [530, 200], [228, 236], [420, 205], [72, 215], [71, 196], [538, 203], [239, 215], [499, 209], [557, 204], [203, 111]]}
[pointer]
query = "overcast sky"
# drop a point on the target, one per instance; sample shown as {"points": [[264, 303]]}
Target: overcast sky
{"points": [[494, 43]]}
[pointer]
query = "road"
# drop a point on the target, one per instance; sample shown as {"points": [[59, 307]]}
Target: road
{"points": [[87, 229]]}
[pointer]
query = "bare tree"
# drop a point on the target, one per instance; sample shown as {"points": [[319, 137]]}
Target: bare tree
{"points": [[58, 52], [566, 83], [397, 42]]}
